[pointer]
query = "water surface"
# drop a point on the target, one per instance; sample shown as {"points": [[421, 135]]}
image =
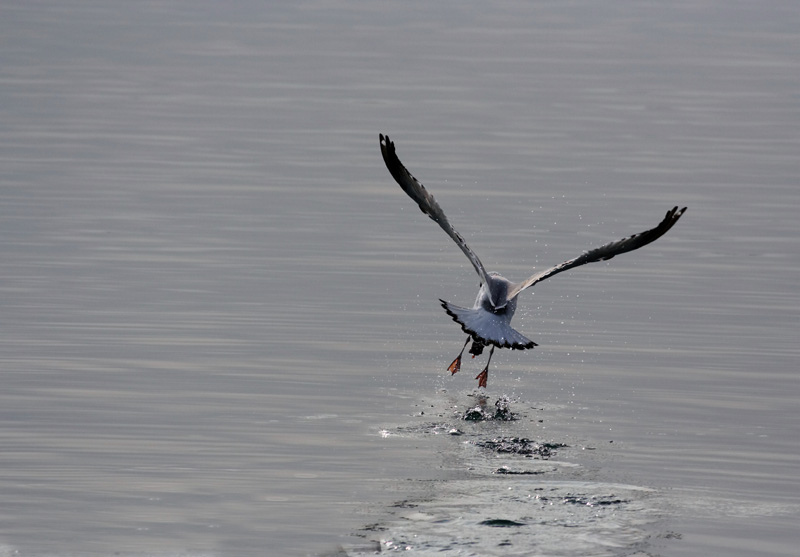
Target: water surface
{"points": [[216, 302]]}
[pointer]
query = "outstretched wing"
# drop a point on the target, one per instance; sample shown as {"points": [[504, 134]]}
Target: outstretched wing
{"points": [[427, 203], [605, 252]]}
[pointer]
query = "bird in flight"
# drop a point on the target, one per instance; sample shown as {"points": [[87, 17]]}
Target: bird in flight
{"points": [[488, 322]]}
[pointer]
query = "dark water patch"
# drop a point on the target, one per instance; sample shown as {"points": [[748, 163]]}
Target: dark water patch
{"points": [[376, 527], [455, 420], [520, 446], [501, 523], [483, 412], [404, 505], [506, 471], [593, 501]]}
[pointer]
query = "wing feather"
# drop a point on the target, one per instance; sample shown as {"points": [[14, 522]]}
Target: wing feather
{"points": [[606, 252], [426, 202]]}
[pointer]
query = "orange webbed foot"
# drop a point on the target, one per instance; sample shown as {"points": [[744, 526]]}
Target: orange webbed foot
{"points": [[455, 367], [483, 377]]}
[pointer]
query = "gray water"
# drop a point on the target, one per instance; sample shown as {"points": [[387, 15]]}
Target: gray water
{"points": [[219, 315]]}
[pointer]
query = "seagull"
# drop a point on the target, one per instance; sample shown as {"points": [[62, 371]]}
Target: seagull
{"points": [[488, 321]]}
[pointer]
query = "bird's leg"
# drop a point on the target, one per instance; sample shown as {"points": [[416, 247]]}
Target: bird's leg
{"points": [[483, 376], [456, 365]]}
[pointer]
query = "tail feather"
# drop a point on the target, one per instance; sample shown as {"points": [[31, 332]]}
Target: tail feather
{"points": [[488, 327]]}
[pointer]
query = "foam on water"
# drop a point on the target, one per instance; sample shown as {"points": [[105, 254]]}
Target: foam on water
{"points": [[508, 493]]}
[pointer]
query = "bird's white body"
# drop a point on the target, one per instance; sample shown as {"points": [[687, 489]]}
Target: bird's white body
{"points": [[490, 322]]}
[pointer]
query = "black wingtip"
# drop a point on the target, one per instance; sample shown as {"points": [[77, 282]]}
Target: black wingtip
{"points": [[387, 150]]}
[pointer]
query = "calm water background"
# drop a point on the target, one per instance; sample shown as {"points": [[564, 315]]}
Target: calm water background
{"points": [[213, 297]]}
